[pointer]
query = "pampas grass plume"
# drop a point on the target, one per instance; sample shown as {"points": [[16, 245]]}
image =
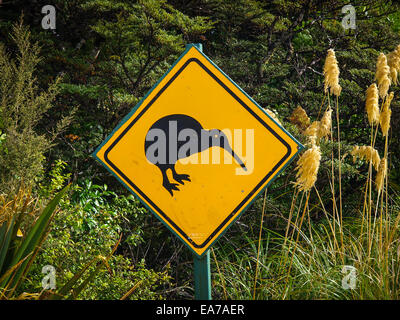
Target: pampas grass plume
{"points": [[324, 128], [366, 153], [312, 129], [393, 61], [300, 118], [273, 115], [382, 75], [307, 168], [372, 104], [380, 176], [386, 115], [331, 73]]}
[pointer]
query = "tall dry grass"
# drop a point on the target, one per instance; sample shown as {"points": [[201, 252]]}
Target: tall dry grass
{"points": [[369, 242], [309, 260]]}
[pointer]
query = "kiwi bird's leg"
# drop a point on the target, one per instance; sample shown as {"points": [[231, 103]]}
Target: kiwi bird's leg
{"points": [[179, 177], [166, 184]]}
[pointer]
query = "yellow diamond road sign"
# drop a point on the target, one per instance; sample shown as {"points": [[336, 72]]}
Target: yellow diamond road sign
{"points": [[197, 150]]}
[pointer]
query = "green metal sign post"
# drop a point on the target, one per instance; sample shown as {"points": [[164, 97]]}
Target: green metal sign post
{"points": [[202, 271], [202, 277]]}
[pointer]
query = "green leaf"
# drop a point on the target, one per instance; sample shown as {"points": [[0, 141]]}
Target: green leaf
{"points": [[30, 244], [5, 239]]}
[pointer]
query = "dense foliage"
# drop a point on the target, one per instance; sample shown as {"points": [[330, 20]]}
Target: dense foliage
{"points": [[63, 91]]}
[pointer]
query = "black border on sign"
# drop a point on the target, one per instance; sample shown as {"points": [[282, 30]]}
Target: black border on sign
{"points": [[241, 204]]}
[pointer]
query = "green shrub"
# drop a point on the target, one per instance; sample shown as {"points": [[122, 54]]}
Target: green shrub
{"points": [[22, 106], [88, 225], [56, 179], [18, 248]]}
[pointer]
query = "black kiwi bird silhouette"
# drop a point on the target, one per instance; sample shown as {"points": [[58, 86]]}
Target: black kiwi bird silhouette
{"points": [[181, 122]]}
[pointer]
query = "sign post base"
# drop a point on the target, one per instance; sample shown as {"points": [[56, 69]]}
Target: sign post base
{"points": [[202, 277]]}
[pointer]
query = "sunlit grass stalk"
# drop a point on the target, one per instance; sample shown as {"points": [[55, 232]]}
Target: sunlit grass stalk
{"points": [[369, 211], [336, 244], [331, 85], [334, 206], [284, 257], [259, 243], [336, 221], [366, 212], [221, 276], [371, 226], [385, 130], [298, 227], [291, 226], [340, 173], [320, 107], [289, 238], [294, 198]]}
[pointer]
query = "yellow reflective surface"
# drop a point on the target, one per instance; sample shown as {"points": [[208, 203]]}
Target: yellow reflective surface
{"points": [[205, 206]]}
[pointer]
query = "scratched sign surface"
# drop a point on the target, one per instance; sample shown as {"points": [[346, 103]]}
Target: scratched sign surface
{"points": [[197, 150]]}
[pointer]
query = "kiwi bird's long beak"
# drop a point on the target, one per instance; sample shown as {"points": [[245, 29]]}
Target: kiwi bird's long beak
{"points": [[239, 161], [228, 148]]}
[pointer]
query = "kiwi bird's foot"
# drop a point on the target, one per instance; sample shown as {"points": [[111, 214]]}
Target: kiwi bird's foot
{"points": [[180, 177], [171, 186]]}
